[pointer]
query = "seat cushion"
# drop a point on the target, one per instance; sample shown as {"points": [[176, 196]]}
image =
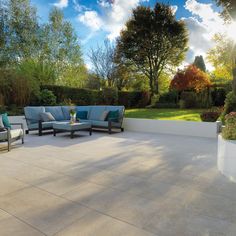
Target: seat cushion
{"points": [[5, 120], [99, 123], [56, 111], [83, 115], [32, 114], [96, 112], [45, 125], [47, 116], [14, 134], [66, 111]]}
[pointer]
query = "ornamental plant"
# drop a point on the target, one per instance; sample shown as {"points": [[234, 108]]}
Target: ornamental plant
{"points": [[210, 116], [229, 131], [191, 78]]}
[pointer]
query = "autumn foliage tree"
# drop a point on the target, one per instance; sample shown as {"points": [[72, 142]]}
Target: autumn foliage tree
{"points": [[190, 78]]}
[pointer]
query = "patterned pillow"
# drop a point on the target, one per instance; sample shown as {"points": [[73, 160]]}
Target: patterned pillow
{"points": [[2, 128], [47, 116], [104, 115]]}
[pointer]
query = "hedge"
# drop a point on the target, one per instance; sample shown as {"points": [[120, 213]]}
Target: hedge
{"points": [[107, 96]]}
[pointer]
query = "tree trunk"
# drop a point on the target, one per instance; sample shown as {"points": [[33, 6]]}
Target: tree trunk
{"points": [[234, 69]]}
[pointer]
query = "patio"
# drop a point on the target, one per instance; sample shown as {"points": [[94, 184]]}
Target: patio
{"points": [[123, 184]]}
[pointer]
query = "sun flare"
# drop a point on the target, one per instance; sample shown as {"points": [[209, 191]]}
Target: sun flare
{"points": [[231, 31]]}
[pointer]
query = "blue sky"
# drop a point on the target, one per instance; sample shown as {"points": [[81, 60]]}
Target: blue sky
{"points": [[97, 20]]}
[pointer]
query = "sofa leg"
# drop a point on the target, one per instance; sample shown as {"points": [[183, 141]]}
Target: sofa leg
{"points": [[122, 129], [22, 141], [8, 145], [27, 131], [40, 132]]}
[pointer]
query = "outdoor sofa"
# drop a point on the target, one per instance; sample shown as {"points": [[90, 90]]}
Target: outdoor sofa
{"points": [[94, 114]]}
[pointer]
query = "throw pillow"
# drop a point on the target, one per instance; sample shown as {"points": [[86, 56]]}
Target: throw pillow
{"points": [[113, 115], [81, 115], [47, 116], [104, 115], [6, 121]]}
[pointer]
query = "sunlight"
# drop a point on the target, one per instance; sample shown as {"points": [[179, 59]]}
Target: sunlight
{"points": [[231, 31]]}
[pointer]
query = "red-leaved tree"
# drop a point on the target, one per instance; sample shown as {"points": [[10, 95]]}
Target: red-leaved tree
{"points": [[191, 78]]}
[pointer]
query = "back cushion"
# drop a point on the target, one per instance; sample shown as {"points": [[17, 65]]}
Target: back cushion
{"points": [[83, 108], [96, 112], [114, 108], [66, 111], [56, 111], [32, 114]]}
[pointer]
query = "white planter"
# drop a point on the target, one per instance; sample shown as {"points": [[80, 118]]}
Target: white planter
{"points": [[226, 160], [188, 128]]}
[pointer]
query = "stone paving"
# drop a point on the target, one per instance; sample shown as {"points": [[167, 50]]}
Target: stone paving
{"points": [[125, 184]]}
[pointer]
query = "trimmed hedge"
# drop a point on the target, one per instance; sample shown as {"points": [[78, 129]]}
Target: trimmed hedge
{"points": [[107, 96]]}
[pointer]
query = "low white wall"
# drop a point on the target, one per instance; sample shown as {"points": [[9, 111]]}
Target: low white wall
{"points": [[188, 128], [18, 119], [226, 161]]}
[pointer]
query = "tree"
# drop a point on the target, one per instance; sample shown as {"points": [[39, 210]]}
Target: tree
{"points": [[102, 59], [18, 31], [153, 41], [60, 48], [191, 78], [229, 14], [221, 59], [199, 63]]}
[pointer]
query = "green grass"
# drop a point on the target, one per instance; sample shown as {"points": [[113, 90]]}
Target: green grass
{"points": [[165, 114]]}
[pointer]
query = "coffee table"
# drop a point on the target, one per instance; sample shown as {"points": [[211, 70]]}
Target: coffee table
{"points": [[71, 127]]}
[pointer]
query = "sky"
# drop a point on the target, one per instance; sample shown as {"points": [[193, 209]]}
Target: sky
{"points": [[98, 20]]}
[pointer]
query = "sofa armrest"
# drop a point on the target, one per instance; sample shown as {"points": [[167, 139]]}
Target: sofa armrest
{"points": [[20, 124]]}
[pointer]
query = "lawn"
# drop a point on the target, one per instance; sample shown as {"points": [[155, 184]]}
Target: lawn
{"points": [[165, 114]]}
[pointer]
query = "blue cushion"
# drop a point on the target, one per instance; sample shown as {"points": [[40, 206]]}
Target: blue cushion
{"points": [[82, 115], [114, 108], [96, 112], [100, 123], [32, 114], [6, 121], [66, 111], [56, 111], [45, 125]]}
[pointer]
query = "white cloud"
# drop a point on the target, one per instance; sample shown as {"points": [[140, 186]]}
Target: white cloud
{"points": [[91, 19], [61, 3], [204, 23], [174, 9]]}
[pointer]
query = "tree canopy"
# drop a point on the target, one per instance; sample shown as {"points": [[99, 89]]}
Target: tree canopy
{"points": [[153, 41], [190, 78]]}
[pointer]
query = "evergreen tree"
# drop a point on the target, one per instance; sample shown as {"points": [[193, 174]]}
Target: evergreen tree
{"points": [[199, 63]]}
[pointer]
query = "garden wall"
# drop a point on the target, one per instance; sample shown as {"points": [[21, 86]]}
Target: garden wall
{"points": [[188, 128]]}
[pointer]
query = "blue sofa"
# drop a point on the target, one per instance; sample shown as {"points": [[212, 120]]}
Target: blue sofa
{"points": [[62, 113]]}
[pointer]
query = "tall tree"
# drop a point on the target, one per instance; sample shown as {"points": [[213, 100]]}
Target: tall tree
{"points": [[153, 41], [229, 14], [199, 63], [18, 30], [60, 47], [102, 59]]}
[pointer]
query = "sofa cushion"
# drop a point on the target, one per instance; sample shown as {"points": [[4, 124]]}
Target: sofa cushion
{"points": [[99, 123], [1, 123], [96, 112], [104, 116], [56, 111], [32, 114], [45, 125], [113, 115], [66, 111], [5, 120], [114, 108], [82, 115], [15, 133], [47, 116]]}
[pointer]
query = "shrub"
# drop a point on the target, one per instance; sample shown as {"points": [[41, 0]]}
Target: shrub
{"points": [[170, 97], [109, 96], [167, 105], [210, 116], [144, 99], [229, 131], [218, 96], [230, 104], [47, 98], [188, 100]]}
